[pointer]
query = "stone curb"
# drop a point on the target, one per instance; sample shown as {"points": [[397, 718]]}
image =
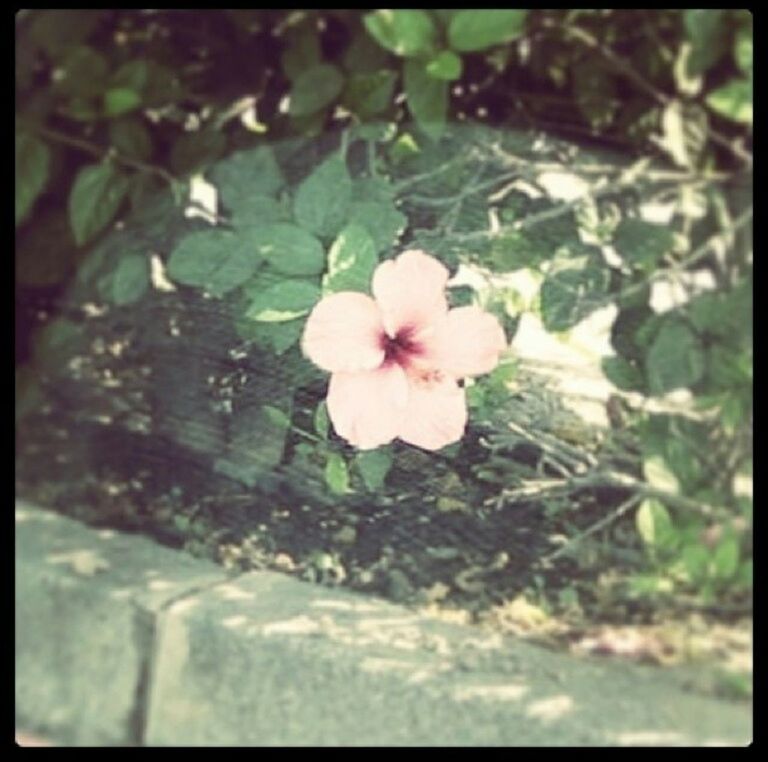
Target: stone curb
{"points": [[120, 641]]}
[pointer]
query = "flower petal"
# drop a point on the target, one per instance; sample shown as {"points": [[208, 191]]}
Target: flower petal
{"points": [[410, 291], [467, 342], [436, 414], [343, 333], [366, 408]]}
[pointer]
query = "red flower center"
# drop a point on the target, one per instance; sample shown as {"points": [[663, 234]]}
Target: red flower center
{"points": [[401, 348]]}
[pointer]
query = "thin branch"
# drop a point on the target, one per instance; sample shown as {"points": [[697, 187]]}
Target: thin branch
{"points": [[414, 179], [593, 529], [608, 479], [583, 36], [106, 153], [698, 253]]}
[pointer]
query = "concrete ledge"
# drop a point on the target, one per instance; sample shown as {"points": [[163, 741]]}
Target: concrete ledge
{"points": [[122, 642], [87, 602]]}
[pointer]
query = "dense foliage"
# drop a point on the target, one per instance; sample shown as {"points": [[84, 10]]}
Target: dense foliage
{"points": [[118, 107]]}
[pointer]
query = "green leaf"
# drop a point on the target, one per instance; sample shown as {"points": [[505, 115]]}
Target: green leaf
{"points": [[130, 279], [32, 165], [642, 244], [83, 73], [405, 33], [646, 330], [55, 344], [259, 211], [675, 359], [374, 209], [746, 573], [277, 337], [681, 458], [696, 560], [733, 100], [322, 200], [743, 48], [309, 126], [96, 195], [722, 314], [461, 296], [82, 110], [403, 148], [351, 261], [369, 94], [285, 300], [320, 420], [156, 85], [445, 65], [658, 474], [276, 416], [374, 466], [302, 53], [707, 33], [215, 260], [374, 132], [725, 560], [728, 368], [654, 525], [195, 150], [131, 138], [427, 98], [291, 250], [569, 295], [314, 89], [364, 56], [132, 75], [120, 100], [623, 374], [478, 30], [518, 249], [282, 335], [143, 188], [337, 474], [733, 413], [245, 175]]}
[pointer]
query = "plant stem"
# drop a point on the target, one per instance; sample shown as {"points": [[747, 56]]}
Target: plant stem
{"points": [[583, 36], [106, 153], [612, 479], [698, 253], [594, 528]]}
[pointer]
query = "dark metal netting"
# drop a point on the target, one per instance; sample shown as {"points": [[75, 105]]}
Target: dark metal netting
{"points": [[151, 415]]}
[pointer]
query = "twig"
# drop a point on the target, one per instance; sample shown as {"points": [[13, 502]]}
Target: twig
{"points": [[413, 179], [698, 253], [593, 529], [554, 447], [609, 479], [101, 152], [583, 36], [661, 98], [651, 175]]}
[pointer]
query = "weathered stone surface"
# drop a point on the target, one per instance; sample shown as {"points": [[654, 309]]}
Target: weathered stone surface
{"points": [[120, 641], [266, 660], [85, 606]]}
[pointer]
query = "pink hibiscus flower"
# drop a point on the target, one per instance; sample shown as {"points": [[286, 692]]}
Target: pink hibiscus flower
{"points": [[396, 358]]}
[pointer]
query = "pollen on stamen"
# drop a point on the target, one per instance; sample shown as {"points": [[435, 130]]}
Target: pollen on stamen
{"points": [[427, 376]]}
